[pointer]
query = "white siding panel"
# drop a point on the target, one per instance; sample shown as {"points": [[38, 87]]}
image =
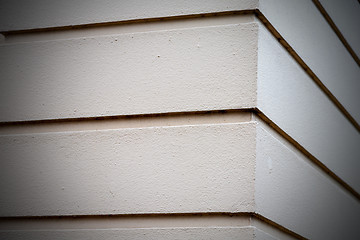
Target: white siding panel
{"points": [[346, 16], [53, 13], [308, 33], [294, 193], [192, 69], [290, 98], [204, 168]]}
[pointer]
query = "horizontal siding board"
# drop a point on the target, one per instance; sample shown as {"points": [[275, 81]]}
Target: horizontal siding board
{"points": [[204, 168], [52, 13], [290, 98], [301, 24], [346, 17], [297, 195], [135, 73], [211, 233]]}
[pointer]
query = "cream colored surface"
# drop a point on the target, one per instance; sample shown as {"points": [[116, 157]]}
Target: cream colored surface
{"points": [[171, 170], [185, 169], [299, 22], [212, 233], [52, 13], [136, 234], [116, 222], [125, 28], [178, 161], [126, 74], [121, 224], [125, 122]]}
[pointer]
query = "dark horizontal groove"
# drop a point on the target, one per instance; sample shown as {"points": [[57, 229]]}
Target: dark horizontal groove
{"points": [[144, 20], [143, 215], [158, 215], [336, 30], [278, 226], [117, 117], [309, 155], [307, 69]]}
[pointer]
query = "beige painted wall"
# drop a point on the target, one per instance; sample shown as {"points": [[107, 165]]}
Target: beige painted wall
{"points": [[199, 127]]}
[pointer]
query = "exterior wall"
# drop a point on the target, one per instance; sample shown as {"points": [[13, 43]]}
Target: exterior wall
{"points": [[293, 101], [311, 37], [178, 119], [297, 194], [114, 75], [178, 169]]}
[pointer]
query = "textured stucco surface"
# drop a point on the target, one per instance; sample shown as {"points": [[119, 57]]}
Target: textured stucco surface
{"points": [[136, 234], [135, 73], [299, 22], [204, 168], [170, 164], [210, 233], [52, 13]]}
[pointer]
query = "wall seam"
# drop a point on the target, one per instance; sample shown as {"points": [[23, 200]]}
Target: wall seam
{"points": [[307, 69], [311, 157], [336, 30]]}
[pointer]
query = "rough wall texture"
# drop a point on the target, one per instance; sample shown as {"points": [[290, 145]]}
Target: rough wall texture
{"points": [[178, 120]]}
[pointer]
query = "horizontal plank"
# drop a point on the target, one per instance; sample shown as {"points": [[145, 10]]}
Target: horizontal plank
{"points": [[134, 73], [158, 120], [210, 233], [141, 222], [293, 192], [135, 234], [51, 13], [301, 24], [138, 27], [201, 168], [329, 60], [291, 99], [345, 15], [127, 221]]}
